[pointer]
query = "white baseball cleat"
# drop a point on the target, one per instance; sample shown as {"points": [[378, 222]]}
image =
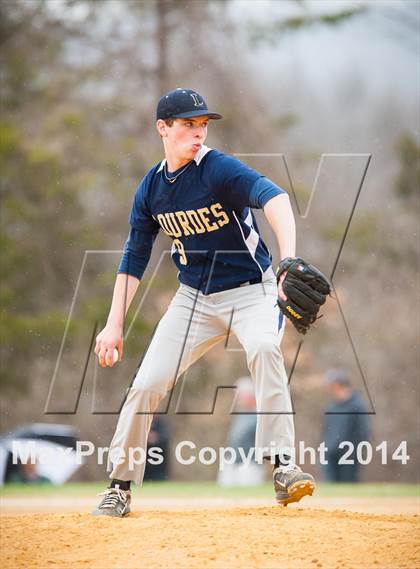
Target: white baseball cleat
{"points": [[116, 503], [291, 484]]}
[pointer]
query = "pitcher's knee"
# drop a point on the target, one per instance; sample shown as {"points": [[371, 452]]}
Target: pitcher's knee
{"points": [[156, 382], [264, 348]]}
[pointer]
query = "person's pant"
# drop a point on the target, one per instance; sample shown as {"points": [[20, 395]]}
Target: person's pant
{"points": [[335, 472], [192, 325]]}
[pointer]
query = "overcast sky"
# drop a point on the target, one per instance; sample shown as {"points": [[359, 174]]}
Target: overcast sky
{"points": [[375, 46]]}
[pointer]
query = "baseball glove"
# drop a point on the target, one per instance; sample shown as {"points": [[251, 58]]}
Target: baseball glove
{"points": [[306, 289]]}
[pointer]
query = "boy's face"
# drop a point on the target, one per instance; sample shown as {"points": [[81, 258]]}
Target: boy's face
{"points": [[185, 137], [338, 391]]}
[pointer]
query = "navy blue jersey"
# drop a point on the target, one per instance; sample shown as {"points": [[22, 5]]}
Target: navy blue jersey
{"points": [[216, 244]]}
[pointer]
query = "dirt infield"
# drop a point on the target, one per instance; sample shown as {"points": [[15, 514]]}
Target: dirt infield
{"points": [[230, 537]]}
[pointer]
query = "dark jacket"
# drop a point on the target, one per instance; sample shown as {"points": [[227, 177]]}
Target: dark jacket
{"points": [[345, 421]]}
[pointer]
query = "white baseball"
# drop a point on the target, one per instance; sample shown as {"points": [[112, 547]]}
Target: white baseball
{"points": [[115, 357]]}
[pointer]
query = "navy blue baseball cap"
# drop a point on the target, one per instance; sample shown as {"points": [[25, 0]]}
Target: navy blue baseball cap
{"points": [[183, 104], [337, 375]]}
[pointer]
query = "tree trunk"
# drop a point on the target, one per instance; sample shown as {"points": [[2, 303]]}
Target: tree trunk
{"points": [[162, 9]]}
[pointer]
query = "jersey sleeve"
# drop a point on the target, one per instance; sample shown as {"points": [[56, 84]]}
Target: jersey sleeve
{"points": [[239, 185], [143, 232]]}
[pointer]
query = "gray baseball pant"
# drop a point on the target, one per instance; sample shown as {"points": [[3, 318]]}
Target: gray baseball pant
{"points": [[193, 324]]}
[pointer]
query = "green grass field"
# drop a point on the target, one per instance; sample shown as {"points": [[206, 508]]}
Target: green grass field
{"points": [[211, 490]]}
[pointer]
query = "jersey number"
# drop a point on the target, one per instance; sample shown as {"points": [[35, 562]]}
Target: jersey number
{"points": [[180, 248]]}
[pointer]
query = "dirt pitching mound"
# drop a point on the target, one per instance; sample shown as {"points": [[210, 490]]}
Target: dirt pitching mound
{"points": [[266, 537]]}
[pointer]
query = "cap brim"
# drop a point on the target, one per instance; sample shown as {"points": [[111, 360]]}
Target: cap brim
{"points": [[192, 114]]}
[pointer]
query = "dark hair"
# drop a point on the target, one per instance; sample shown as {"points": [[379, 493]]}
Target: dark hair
{"points": [[169, 122]]}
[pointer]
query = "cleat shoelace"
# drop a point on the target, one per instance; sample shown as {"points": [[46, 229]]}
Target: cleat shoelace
{"points": [[112, 496], [288, 468]]}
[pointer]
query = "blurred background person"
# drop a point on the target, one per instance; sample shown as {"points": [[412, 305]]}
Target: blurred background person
{"points": [[242, 435], [27, 473], [345, 420], [158, 437]]}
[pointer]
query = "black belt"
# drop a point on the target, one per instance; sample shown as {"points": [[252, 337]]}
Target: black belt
{"points": [[236, 285], [246, 283], [253, 281]]}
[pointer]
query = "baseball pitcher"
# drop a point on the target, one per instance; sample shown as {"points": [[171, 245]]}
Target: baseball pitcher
{"points": [[203, 200]]}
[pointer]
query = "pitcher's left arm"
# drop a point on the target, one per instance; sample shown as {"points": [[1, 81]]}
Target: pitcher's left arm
{"points": [[279, 214]]}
